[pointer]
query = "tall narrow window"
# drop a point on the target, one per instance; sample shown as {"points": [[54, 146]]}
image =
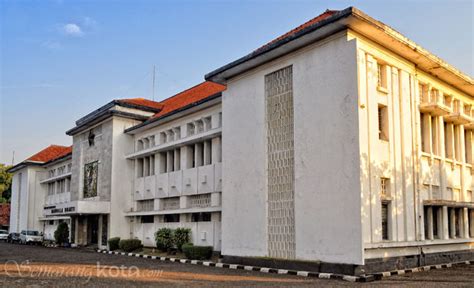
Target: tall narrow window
{"points": [[434, 135], [468, 146], [424, 126], [383, 122], [139, 167], [385, 215], [381, 76], [457, 147]]}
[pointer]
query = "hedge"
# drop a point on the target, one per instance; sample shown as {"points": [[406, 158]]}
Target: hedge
{"points": [[114, 243], [164, 239], [181, 236], [197, 252], [129, 245]]}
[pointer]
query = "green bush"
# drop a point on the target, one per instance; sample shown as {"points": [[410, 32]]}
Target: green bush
{"points": [[197, 252], [164, 239], [181, 237], [114, 243], [61, 235], [129, 245]]}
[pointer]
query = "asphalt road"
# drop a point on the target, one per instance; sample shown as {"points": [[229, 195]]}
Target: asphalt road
{"points": [[36, 266]]}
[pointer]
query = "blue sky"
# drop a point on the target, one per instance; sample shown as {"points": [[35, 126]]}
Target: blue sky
{"points": [[63, 59]]}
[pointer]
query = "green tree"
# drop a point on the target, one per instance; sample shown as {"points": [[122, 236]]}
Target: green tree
{"points": [[5, 183], [61, 235]]}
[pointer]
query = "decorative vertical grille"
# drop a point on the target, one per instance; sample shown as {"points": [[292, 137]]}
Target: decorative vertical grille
{"points": [[171, 203], [279, 117], [200, 201]]}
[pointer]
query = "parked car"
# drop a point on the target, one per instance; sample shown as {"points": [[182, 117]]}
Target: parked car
{"points": [[30, 237], [3, 235], [13, 237]]}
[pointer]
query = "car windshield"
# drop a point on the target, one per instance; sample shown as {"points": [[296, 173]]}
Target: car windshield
{"points": [[3, 232], [32, 233]]}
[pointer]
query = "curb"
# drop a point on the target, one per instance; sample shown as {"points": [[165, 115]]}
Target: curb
{"points": [[379, 276], [320, 275], [349, 278]]}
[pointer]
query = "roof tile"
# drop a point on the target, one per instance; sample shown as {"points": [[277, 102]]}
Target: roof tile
{"points": [[51, 153]]}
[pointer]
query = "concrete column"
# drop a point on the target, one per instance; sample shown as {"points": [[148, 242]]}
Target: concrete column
{"points": [[215, 121], [465, 218], [452, 221], [198, 154], [430, 223], [216, 150], [183, 202], [216, 199], [445, 231]]}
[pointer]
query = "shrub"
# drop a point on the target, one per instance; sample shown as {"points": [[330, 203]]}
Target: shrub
{"points": [[129, 245], [61, 235], [114, 243], [197, 252], [181, 237], [164, 239]]}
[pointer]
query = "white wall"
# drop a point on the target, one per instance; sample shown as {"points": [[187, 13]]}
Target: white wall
{"points": [[122, 179], [27, 204], [327, 184]]}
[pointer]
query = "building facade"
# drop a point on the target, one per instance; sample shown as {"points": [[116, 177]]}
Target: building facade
{"points": [[340, 142]]}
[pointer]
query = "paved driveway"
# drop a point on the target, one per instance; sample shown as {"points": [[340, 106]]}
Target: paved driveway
{"points": [[35, 266]]}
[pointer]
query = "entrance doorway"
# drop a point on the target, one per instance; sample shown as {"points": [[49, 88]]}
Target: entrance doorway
{"points": [[93, 230]]}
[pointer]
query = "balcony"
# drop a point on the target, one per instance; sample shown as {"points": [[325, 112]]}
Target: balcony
{"points": [[433, 102], [461, 114]]}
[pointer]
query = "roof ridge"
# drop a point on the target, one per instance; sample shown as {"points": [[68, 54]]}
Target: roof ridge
{"points": [[186, 90]]}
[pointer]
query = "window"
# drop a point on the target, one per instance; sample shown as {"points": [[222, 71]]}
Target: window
{"points": [[168, 218], [383, 122], [424, 127], [448, 140], [384, 187], [469, 196], [201, 217], [68, 185], [51, 188], [69, 167], [90, 179], [91, 138], [51, 222], [434, 135], [385, 217], [147, 219], [191, 129], [146, 205], [457, 138], [139, 167], [381, 76], [468, 146]]}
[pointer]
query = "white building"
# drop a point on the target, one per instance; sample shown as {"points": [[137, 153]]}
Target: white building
{"points": [[345, 146]]}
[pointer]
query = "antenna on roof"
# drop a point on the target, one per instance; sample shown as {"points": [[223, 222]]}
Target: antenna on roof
{"points": [[153, 88], [13, 157]]}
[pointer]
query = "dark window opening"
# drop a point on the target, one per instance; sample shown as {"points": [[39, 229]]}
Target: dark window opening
{"points": [[168, 218], [147, 219], [201, 217]]}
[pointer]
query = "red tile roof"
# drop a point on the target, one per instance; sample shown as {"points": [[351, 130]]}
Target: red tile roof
{"points": [[311, 22], [189, 96], [142, 102], [50, 153]]}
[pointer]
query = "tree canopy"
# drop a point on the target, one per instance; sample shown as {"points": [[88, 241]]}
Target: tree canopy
{"points": [[5, 183]]}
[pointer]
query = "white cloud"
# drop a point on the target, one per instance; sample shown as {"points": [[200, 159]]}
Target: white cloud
{"points": [[72, 29]]}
